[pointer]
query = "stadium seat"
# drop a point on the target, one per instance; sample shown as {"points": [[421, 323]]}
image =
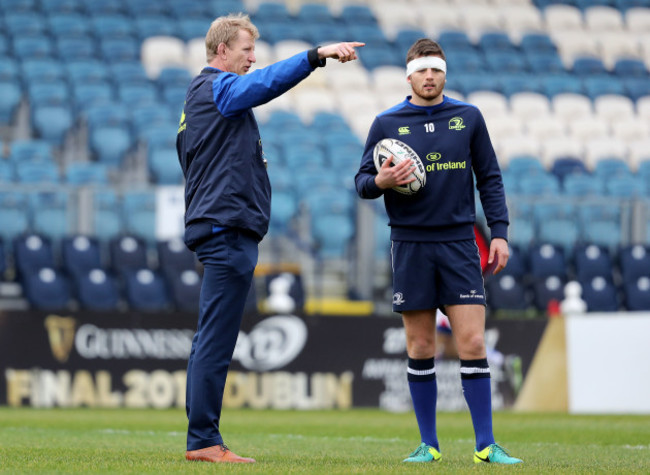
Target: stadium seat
{"points": [[517, 262], [540, 184], [107, 214], [119, 49], [32, 252], [10, 97], [547, 289], [162, 51], [80, 254], [97, 290], [174, 257], [14, 221], [591, 261], [637, 294], [52, 213], [626, 186], [605, 17], [37, 172], [53, 123], [151, 25], [600, 295], [112, 26], [559, 83], [284, 208], [47, 289], [546, 260], [24, 24], [62, 24], [127, 253], [145, 290], [357, 14], [634, 262], [332, 234], [506, 292], [185, 290], [110, 144], [86, 173], [164, 167], [75, 48], [139, 211], [582, 185], [562, 167]]}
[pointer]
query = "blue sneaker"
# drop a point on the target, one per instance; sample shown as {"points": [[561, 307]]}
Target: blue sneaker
{"points": [[495, 454], [424, 453]]}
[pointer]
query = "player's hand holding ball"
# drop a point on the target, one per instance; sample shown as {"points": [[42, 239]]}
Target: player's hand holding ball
{"points": [[398, 167]]}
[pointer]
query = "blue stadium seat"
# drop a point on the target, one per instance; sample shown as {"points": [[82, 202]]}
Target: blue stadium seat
{"points": [[562, 167], [107, 115], [119, 49], [47, 289], [284, 207], [357, 14], [87, 96], [64, 24], [136, 95], [554, 84], [111, 25], [75, 48], [546, 289], [634, 262], [467, 61], [97, 290], [52, 123], [582, 185], [544, 63], [546, 260], [145, 290], [52, 213], [561, 232], [374, 56], [453, 41], [33, 47], [26, 6], [139, 211], [600, 295], [626, 186], [506, 292], [110, 144], [164, 167], [315, 14], [604, 233], [128, 72], [84, 71], [595, 86], [127, 253], [80, 254], [32, 252], [107, 214], [405, 37], [7, 171], [591, 261], [636, 88], [373, 36], [68, 25], [515, 82], [332, 234], [37, 172], [523, 165], [630, 67], [190, 28], [607, 168], [537, 42], [30, 149], [45, 69], [174, 257], [86, 173], [491, 41], [23, 24], [185, 289], [154, 25], [144, 116], [14, 221], [104, 7], [148, 7], [54, 93], [637, 294], [541, 184], [588, 66], [223, 7], [173, 76], [10, 97], [9, 69]]}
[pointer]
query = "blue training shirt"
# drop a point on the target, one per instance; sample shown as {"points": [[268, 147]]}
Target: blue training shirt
{"points": [[452, 141], [220, 150]]}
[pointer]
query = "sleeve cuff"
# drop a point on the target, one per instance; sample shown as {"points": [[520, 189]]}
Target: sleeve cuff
{"points": [[499, 230], [314, 60]]}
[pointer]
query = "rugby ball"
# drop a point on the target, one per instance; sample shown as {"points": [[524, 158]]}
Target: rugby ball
{"points": [[400, 152]]}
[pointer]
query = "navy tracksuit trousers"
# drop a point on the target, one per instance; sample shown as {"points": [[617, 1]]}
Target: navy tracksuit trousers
{"points": [[229, 259]]}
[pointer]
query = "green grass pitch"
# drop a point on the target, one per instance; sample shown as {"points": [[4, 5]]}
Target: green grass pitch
{"points": [[353, 441]]}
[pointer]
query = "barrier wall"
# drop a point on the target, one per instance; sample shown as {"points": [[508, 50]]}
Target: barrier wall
{"points": [[281, 362]]}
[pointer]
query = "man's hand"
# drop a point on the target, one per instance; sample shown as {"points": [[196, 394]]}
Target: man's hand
{"points": [[344, 52], [499, 249], [388, 176]]}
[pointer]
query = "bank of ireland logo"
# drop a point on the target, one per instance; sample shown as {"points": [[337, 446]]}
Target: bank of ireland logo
{"points": [[456, 123], [404, 131], [434, 156], [398, 298]]}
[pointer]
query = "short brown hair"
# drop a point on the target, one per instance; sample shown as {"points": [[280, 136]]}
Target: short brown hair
{"points": [[225, 29], [424, 47]]}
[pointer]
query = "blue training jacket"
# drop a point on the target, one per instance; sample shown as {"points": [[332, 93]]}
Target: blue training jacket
{"points": [[452, 140], [220, 150]]}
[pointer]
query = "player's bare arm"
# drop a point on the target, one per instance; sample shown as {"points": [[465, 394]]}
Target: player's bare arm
{"points": [[499, 249], [344, 52], [390, 176]]}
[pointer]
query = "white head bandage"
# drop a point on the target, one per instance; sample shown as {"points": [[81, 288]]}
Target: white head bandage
{"points": [[426, 62]]}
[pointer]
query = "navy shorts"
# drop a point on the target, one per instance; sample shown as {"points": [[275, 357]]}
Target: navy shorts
{"points": [[428, 275]]}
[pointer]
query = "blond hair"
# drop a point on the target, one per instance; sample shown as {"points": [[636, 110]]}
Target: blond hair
{"points": [[225, 30]]}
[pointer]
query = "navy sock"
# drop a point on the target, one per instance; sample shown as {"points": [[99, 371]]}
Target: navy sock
{"points": [[475, 379], [424, 393]]}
